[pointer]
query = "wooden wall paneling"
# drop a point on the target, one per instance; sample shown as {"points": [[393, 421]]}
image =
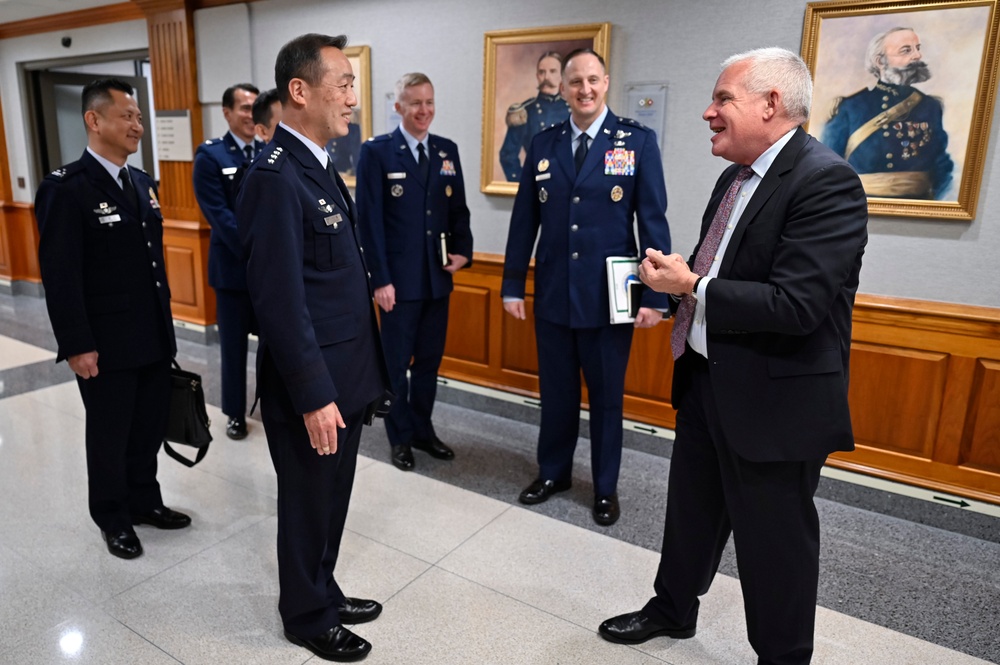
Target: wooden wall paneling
{"points": [[469, 334], [82, 18], [955, 410], [22, 242], [981, 447], [184, 245], [5, 196]]}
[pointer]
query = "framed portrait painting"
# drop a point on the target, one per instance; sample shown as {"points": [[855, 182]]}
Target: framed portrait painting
{"points": [[522, 72], [905, 90], [346, 149]]}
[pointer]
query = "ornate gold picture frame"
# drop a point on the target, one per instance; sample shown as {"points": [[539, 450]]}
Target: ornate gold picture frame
{"points": [[510, 85], [916, 133], [345, 150]]}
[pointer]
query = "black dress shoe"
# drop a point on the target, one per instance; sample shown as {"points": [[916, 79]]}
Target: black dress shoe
{"points": [[434, 447], [636, 627], [236, 429], [606, 510], [337, 644], [540, 490], [163, 518], [358, 610], [402, 457], [124, 544]]}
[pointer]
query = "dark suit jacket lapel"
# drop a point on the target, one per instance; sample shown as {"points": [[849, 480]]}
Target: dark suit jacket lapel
{"points": [[102, 181], [781, 165], [562, 152], [600, 145]]}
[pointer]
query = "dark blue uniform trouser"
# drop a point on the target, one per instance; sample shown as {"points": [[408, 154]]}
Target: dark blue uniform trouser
{"points": [[236, 320], [314, 493], [602, 353], [769, 509], [126, 418], [414, 330]]}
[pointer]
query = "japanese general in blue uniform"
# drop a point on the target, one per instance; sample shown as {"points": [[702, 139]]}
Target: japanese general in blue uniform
{"points": [[579, 220], [216, 163], [524, 120], [403, 219], [319, 345], [894, 138], [101, 258]]}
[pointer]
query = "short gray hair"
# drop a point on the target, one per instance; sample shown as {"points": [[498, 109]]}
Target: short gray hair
{"points": [[875, 55], [408, 81], [778, 69]]}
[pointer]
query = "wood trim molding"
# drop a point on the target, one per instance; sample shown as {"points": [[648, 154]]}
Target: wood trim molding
{"points": [[83, 18], [925, 379]]}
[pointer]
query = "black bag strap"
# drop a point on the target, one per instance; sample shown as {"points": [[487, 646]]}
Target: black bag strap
{"points": [[183, 460]]}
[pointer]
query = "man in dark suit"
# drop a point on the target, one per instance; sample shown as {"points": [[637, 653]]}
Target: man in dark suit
{"points": [[101, 256], [216, 163], [761, 342], [320, 369], [414, 221], [584, 181]]}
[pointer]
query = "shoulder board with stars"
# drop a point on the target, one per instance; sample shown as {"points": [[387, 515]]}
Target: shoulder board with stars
{"points": [[558, 125], [381, 137], [64, 172], [272, 160], [632, 123]]}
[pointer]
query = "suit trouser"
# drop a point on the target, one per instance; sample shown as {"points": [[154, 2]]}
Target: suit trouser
{"points": [[314, 492], [126, 418], [414, 330], [602, 353], [768, 507], [236, 320]]}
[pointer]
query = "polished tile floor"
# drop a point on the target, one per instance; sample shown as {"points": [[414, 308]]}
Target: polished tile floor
{"points": [[466, 574]]}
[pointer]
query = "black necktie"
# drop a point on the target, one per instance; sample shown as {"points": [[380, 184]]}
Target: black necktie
{"points": [[248, 151], [581, 152], [422, 162], [332, 170], [128, 188]]}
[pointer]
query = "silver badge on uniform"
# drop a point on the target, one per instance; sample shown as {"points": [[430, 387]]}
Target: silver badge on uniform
{"points": [[104, 209], [543, 195], [333, 220], [397, 190]]}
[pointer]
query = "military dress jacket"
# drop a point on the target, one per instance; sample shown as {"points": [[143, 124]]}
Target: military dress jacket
{"points": [[308, 283], [216, 166], [101, 260], [402, 218], [580, 220]]}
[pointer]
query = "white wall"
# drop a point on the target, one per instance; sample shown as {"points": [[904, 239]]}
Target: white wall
{"points": [[128, 36], [675, 41]]}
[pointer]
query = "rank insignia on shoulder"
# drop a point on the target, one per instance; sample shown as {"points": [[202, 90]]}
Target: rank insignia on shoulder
{"points": [[59, 173]]}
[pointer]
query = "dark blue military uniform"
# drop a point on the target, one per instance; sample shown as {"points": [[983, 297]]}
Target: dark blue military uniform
{"points": [[913, 142], [524, 120], [215, 176], [401, 222], [106, 290], [319, 344], [579, 221]]}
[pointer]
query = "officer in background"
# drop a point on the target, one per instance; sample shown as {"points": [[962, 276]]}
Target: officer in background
{"points": [[531, 116], [584, 182], [266, 114], [216, 163], [415, 223], [893, 134], [346, 150], [101, 257]]}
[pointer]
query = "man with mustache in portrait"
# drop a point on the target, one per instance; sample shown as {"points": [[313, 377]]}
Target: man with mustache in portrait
{"points": [[893, 134]]}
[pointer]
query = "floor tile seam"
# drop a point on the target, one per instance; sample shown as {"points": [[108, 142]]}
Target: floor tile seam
{"points": [[28, 392], [524, 603], [472, 535], [248, 488], [186, 559]]}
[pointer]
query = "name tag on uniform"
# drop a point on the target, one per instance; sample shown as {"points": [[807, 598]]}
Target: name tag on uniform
{"points": [[230, 170], [109, 219], [396, 176], [333, 220], [542, 176]]}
